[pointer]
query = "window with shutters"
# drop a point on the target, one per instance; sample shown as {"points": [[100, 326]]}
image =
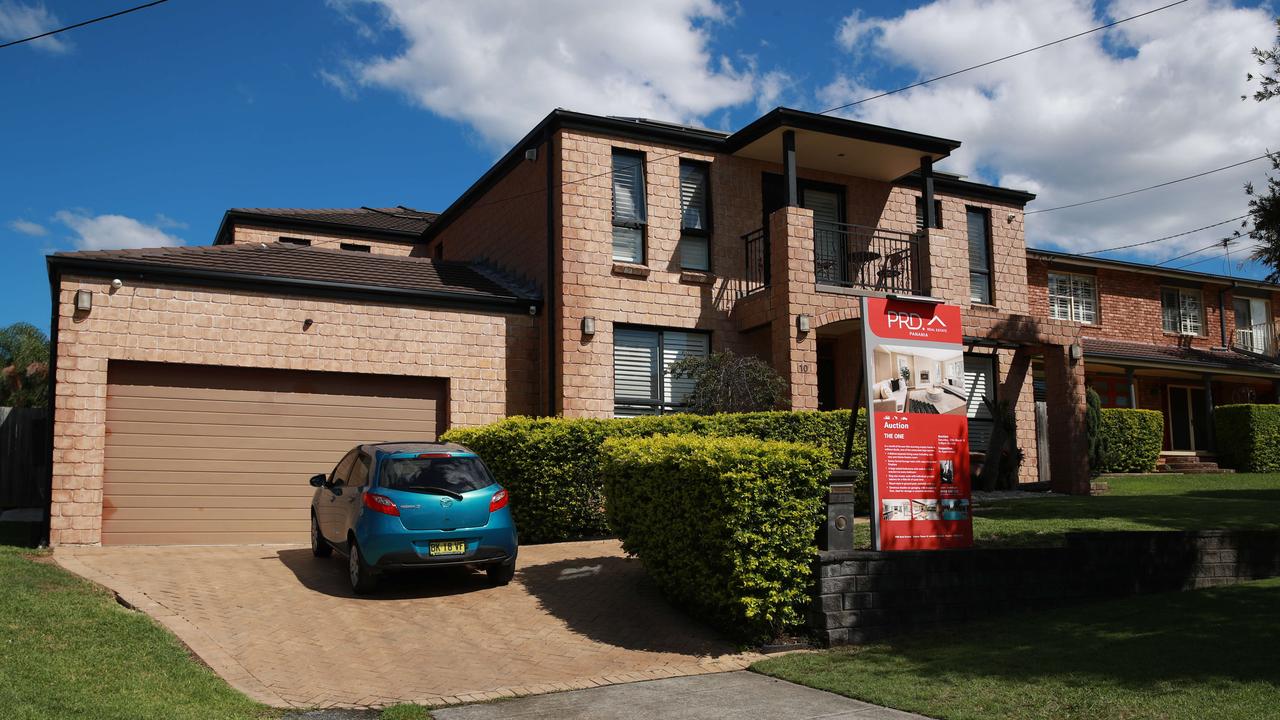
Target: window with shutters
{"points": [[979, 231], [642, 358], [937, 214], [695, 216], [1182, 311], [979, 390], [1073, 297], [629, 214]]}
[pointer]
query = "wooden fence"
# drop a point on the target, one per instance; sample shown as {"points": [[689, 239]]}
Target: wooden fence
{"points": [[24, 457]]}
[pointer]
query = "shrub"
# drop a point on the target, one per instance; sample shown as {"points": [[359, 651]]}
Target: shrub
{"points": [[1130, 439], [1093, 432], [724, 526], [1248, 437], [726, 382], [552, 465]]}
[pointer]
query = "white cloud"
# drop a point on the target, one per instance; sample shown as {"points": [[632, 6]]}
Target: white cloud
{"points": [[26, 227], [19, 21], [339, 82], [1157, 99], [112, 232], [500, 67]]}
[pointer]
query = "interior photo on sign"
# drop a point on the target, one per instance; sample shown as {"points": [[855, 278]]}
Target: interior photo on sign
{"points": [[919, 380]]}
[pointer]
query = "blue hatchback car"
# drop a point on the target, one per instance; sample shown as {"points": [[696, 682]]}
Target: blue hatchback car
{"points": [[407, 505]]}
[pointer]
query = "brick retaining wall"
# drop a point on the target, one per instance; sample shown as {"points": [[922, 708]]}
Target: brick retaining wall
{"points": [[862, 596]]}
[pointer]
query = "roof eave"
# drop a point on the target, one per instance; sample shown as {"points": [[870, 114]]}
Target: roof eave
{"points": [[1053, 256], [282, 222], [321, 288], [788, 117]]}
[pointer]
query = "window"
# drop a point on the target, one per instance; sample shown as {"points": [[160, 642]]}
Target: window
{"points": [[1254, 331], [979, 227], [642, 384], [830, 241], [979, 389], [422, 473], [937, 214], [695, 216], [1073, 297], [1181, 311], [342, 470], [360, 472], [628, 206], [300, 242], [354, 247]]}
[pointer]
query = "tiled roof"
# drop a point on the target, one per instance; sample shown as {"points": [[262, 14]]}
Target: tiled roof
{"points": [[339, 268], [1227, 359], [397, 219]]}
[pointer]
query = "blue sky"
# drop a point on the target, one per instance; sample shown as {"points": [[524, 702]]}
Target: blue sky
{"points": [[149, 126]]}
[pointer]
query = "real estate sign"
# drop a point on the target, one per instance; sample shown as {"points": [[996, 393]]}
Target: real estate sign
{"points": [[919, 430]]}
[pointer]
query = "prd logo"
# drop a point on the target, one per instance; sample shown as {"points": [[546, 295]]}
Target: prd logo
{"points": [[912, 321]]}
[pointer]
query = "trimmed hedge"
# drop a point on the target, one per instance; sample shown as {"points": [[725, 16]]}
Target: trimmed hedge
{"points": [[552, 465], [725, 527], [1248, 437], [1131, 439]]}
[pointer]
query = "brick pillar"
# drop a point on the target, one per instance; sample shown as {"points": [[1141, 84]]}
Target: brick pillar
{"points": [[1068, 447], [791, 284]]}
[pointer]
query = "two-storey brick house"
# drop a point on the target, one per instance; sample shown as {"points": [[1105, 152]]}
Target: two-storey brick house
{"points": [[564, 281], [1159, 338]]}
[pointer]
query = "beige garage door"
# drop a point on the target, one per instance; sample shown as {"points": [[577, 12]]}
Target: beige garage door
{"points": [[213, 455]]}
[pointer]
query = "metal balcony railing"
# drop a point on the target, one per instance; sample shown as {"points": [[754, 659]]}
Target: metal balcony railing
{"points": [[856, 256], [1259, 338], [756, 243]]}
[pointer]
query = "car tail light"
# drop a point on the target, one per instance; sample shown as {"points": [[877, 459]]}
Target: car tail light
{"points": [[380, 503], [498, 501], [425, 456]]}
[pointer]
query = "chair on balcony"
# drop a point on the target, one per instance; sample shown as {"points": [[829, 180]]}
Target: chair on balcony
{"points": [[894, 267]]}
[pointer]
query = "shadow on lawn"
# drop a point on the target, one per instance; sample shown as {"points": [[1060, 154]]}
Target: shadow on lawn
{"points": [[1219, 635], [1251, 508]]}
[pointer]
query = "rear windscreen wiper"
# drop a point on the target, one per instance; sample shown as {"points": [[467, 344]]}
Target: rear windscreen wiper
{"points": [[435, 491]]}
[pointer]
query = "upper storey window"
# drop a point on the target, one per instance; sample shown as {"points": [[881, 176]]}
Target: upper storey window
{"points": [[979, 230], [1073, 297], [695, 216], [1182, 311], [629, 212]]}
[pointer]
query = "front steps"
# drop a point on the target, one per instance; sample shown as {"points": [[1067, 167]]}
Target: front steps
{"points": [[1189, 465]]}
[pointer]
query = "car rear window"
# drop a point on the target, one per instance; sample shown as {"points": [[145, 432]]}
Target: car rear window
{"points": [[458, 474]]}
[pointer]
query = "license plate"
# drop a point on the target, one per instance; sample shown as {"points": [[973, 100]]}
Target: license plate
{"points": [[447, 547]]}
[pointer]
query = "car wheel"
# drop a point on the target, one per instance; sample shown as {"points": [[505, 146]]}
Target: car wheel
{"points": [[319, 546], [502, 573], [363, 578]]}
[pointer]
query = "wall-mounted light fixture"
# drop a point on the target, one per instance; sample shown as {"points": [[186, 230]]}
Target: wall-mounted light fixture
{"points": [[804, 323], [588, 326], [1077, 352], [306, 324], [84, 300]]}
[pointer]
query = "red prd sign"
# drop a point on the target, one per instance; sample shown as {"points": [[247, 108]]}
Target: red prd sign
{"points": [[919, 427]]}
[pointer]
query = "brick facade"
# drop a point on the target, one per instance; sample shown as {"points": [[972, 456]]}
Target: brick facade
{"points": [[248, 233], [488, 360]]}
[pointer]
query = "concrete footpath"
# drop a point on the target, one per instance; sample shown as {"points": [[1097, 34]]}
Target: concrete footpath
{"points": [[701, 697]]}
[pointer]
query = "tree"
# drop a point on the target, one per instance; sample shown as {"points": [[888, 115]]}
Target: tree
{"points": [[24, 366], [1264, 205], [727, 382]]}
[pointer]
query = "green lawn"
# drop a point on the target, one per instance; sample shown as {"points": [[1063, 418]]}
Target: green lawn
{"points": [[1165, 502], [68, 650], [1183, 656]]}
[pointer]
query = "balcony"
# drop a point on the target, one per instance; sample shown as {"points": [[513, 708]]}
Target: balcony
{"points": [[847, 256], [1259, 339]]}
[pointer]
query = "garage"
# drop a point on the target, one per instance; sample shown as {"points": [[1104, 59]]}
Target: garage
{"points": [[201, 455]]}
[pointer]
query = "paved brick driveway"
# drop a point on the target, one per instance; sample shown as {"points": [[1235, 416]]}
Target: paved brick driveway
{"points": [[283, 627]]}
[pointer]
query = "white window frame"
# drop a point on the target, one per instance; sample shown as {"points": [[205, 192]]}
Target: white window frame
{"points": [[1071, 306], [1188, 323]]}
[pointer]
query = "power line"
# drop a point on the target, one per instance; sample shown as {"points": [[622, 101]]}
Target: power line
{"points": [[1002, 59], [1220, 242], [82, 24], [1219, 256], [1150, 187], [1162, 239]]}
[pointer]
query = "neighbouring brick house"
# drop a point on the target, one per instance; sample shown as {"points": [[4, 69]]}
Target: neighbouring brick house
{"points": [[1159, 338], [193, 401]]}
